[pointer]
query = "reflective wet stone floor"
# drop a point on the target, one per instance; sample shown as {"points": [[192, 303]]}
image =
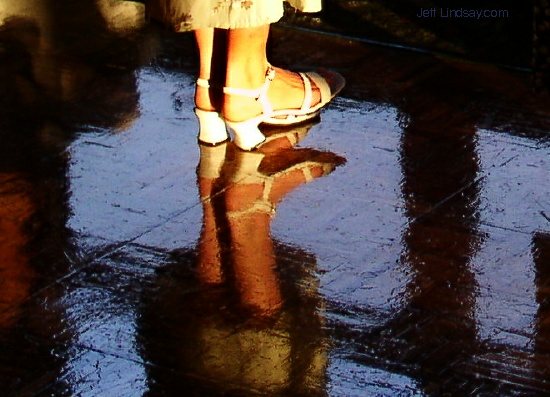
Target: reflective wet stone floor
{"points": [[400, 245]]}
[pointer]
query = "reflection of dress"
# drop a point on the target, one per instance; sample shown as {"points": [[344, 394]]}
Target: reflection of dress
{"points": [[182, 15], [213, 346]]}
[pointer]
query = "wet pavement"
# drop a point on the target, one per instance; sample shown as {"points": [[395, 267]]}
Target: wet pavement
{"points": [[400, 245]]}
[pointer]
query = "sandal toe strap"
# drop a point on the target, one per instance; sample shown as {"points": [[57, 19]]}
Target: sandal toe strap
{"points": [[322, 84], [308, 92]]}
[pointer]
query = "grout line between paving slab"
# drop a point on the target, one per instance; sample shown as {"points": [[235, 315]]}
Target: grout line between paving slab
{"points": [[447, 199]]}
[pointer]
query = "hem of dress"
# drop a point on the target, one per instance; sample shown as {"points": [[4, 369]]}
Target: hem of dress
{"points": [[235, 25]]}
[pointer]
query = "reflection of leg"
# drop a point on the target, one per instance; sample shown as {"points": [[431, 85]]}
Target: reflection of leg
{"points": [[252, 248], [209, 265], [250, 203], [254, 261]]}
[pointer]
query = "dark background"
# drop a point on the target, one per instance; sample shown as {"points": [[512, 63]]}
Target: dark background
{"points": [[507, 41]]}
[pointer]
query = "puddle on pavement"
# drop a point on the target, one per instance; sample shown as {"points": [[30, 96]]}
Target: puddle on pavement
{"points": [[396, 246]]}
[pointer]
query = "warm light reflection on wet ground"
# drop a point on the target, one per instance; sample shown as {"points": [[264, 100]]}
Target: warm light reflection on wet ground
{"points": [[400, 246]]}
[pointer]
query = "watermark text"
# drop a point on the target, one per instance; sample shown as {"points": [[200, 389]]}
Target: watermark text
{"points": [[462, 13]]}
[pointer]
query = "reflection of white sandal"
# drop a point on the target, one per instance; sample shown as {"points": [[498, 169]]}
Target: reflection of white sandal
{"points": [[248, 173], [247, 133], [211, 161], [284, 137]]}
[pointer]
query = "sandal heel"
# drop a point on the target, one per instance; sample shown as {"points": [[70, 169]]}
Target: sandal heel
{"points": [[212, 129], [247, 134]]}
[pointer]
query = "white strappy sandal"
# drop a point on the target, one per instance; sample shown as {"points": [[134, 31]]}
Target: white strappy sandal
{"points": [[247, 134]]}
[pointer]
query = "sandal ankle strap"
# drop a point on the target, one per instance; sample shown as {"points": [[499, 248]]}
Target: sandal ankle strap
{"points": [[258, 207], [254, 92], [259, 94]]}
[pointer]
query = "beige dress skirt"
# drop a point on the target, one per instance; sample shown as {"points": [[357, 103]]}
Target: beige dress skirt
{"points": [[185, 15]]}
